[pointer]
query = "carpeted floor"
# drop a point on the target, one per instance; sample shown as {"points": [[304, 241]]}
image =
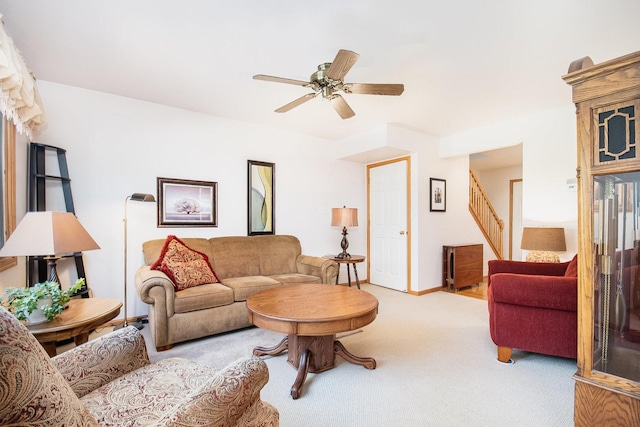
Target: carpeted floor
{"points": [[436, 367]]}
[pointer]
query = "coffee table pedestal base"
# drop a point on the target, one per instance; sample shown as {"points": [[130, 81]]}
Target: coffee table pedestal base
{"points": [[312, 354]]}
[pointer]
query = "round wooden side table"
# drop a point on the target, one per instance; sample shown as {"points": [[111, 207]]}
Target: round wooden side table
{"points": [[355, 259], [81, 317]]}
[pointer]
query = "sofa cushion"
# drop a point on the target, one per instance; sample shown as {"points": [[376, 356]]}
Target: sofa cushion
{"points": [[185, 267], [290, 278], [244, 287], [134, 400], [32, 390], [277, 254], [234, 256], [202, 297]]}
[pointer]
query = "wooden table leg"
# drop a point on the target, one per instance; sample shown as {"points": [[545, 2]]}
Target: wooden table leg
{"points": [[50, 348], [303, 368], [355, 271], [349, 274], [272, 351], [81, 338], [367, 362]]}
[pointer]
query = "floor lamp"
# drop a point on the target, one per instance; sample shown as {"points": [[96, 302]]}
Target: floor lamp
{"points": [[136, 197]]}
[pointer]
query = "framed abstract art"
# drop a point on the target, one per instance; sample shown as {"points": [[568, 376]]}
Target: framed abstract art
{"points": [[261, 198]]}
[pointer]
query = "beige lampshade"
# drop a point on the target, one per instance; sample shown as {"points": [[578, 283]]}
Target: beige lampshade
{"points": [[543, 239], [344, 217], [46, 234]]}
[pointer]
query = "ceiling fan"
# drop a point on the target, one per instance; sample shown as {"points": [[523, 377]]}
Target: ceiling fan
{"points": [[329, 79]]}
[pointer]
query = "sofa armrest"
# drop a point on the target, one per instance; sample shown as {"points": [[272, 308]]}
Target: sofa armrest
{"points": [[523, 267], [156, 289], [324, 268], [550, 292], [227, 397], [100, 361]]}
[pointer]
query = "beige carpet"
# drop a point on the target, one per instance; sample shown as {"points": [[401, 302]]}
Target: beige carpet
{"points": [[436, 367]]}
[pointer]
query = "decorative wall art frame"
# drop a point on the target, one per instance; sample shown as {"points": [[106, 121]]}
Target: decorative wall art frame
{"points": [[438, 195], [187, 203], [261, 197]]}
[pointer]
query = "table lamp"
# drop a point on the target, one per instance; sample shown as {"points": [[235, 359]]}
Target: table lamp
{"points": [[344, 217], [543, 242], [136, 197], [48, 234]]}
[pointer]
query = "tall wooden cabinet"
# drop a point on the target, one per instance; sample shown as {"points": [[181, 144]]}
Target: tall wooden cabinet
{"points": [[607, 99]]}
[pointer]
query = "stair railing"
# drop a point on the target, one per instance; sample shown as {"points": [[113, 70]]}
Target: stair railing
{"points": [[486, 217]]}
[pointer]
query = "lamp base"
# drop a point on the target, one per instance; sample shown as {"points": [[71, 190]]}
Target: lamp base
{"points": [[344, 244], [543, 256]]}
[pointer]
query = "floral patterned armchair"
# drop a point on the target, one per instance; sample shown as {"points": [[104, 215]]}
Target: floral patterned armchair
{"points": [[111, 382]]}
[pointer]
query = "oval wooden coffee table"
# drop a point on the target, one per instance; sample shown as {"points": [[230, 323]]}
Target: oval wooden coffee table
{"points": [[311, 315], [81, 317]]}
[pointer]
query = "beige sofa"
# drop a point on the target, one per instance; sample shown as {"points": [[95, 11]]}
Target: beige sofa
{"points": [[243, 264], [110, 381]]}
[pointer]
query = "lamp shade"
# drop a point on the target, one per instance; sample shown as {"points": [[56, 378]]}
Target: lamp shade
{"points": [[543, 239], [48, 233], [344, 217]]}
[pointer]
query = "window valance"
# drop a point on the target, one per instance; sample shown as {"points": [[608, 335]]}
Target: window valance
{"points": [[19, 98]]}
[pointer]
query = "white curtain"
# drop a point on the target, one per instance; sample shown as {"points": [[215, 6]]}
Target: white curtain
{"points": [[19, 98]]}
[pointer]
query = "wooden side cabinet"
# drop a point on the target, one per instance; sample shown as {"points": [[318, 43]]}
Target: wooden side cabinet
{"points": [[461, 266], [607, 99]]}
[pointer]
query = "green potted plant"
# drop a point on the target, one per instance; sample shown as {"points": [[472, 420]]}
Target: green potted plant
{"points": [[47, 297]]}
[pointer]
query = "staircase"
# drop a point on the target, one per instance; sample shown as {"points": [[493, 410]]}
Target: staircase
{"points": [[486, 217]]}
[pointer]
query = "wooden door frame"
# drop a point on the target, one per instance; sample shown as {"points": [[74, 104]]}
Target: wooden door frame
{"points": [[408, 186], [511, 182]]}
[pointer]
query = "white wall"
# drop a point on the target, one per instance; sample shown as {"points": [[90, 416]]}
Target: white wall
{"points": [[430, 230], [549, 160], [117, 146]]}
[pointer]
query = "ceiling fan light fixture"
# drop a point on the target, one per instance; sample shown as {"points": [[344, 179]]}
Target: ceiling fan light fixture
{"points": [[328, 79]]}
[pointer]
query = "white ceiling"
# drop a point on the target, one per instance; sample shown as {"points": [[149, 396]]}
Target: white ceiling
{"points": [[464, 64]]}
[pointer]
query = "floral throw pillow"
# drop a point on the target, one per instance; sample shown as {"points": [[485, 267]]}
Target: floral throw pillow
{"points": [[186, 267]]}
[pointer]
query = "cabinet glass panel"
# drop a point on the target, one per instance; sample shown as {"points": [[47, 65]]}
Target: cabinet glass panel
{"points": [[616, 221]]}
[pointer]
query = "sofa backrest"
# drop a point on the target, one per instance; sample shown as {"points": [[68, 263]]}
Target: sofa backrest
{"points": [[152, 248], [278, 254], [234, 256], [239, 256], [253, 255]]}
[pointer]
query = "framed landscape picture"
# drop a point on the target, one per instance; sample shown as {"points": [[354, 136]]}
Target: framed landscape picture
{"points": [[438, 195], [186, 203], [261, 195]]}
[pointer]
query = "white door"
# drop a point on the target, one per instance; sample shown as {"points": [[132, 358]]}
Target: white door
{"points": [[388, 243]]}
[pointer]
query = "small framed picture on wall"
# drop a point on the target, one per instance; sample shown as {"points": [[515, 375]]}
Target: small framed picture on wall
{"points": [[438, 194]]}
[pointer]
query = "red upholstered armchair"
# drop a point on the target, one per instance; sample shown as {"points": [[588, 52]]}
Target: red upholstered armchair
{"points": [[533, 307]]}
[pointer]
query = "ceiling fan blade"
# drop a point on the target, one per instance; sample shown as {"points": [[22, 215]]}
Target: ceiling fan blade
{"points": [[341, 65], [281, 80], [341, 106], [374, 89], [296, 102]]}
